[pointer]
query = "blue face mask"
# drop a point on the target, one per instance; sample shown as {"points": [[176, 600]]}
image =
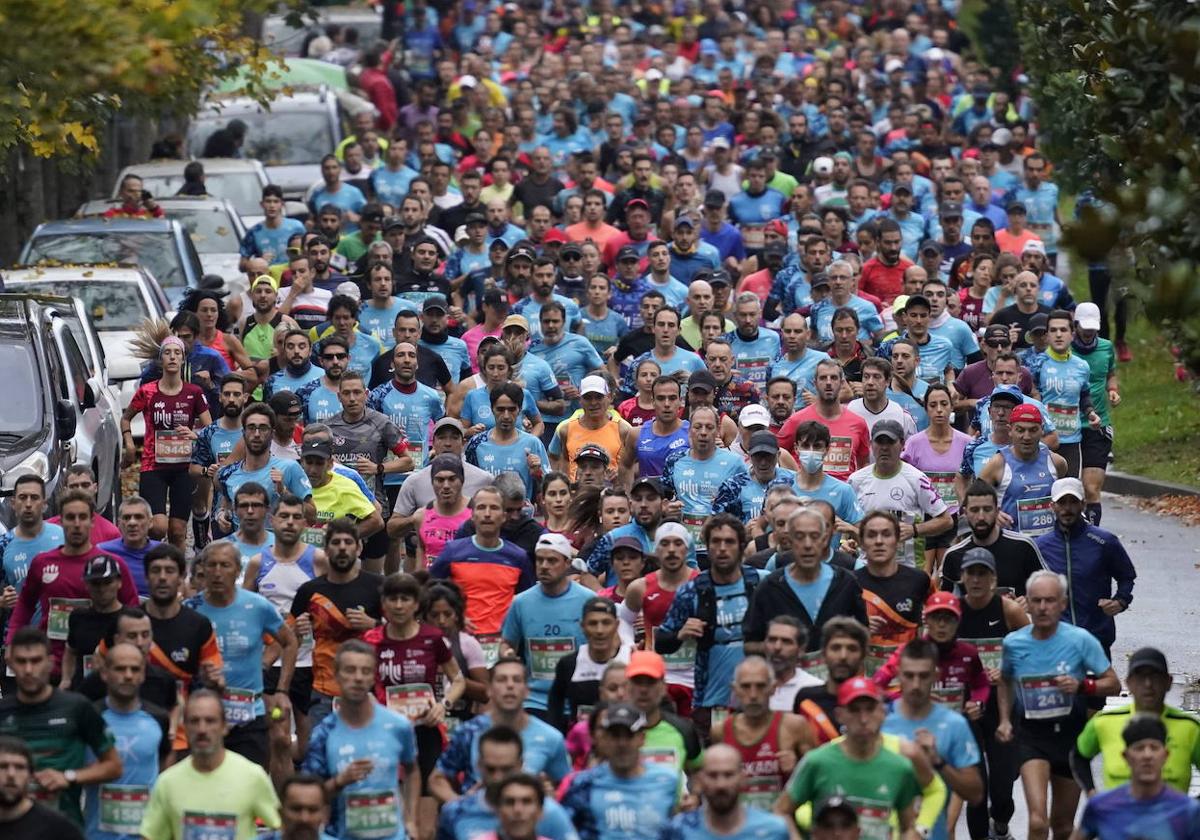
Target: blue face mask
{"points": [[810, 460]]}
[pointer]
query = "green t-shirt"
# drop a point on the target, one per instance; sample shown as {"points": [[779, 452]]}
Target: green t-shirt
{"points": [[672, 742], [1102, 735], [59, 731], [879, 787], [1102, 362], [224, 803], [352, 247]]}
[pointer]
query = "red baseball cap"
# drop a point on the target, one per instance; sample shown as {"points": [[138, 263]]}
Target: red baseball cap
{"points": [[856, 687], [645, 663], [1025, 413], [554, 235], [943, 601], [776, 226]]}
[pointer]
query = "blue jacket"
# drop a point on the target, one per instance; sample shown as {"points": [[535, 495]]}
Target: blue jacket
{"points": [[1092, 559]]}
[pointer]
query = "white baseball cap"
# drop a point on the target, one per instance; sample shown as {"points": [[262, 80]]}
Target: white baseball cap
{"points": [[754, 415], [672, 529], [593, 385], [1087, 316], [1034, 246], [556, 543], [1066, 487], [823, 166]]}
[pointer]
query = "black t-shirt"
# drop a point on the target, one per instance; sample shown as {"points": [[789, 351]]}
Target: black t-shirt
{"points": [[904, 592], [182, 643], [532, 194], [1011, 315], [40, 823], [1017, 557], [431, 369], [159, 689], [636, 342], [327, 604], [575, 690], [86, 628], [819, 695]]}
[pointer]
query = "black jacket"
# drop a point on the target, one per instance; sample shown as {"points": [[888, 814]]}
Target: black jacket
{"points": [[774, 596]]}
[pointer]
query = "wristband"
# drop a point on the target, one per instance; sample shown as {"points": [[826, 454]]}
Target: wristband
{"points": [[1088, 686]]}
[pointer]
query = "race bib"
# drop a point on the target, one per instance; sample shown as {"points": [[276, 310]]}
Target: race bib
{"points": [[943, 483], [1043, 699], [1065, 418], [410, 699], [172, 447], [208, 826], [952, 695], [313, 536], [57, 621], [89, 665], [684, 659], [664, 756], [544, 654], [122, 807], [873, 822], [694, 522], [1035, 516], [239, 705], [877, 655], [491, 649], [760, 792], [991, 651], [837, 456], [372, 813]]}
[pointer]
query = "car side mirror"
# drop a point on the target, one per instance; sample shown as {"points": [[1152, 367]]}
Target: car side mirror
{"points": [[64, 419], [91, 393]]}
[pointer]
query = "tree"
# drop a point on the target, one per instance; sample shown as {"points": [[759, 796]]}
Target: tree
{"points": [[1117, 83]]}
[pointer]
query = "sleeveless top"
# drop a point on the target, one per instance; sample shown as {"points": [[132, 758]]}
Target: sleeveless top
{"points": [[762, 776], [652, 449], [218, 344], [607, 437], [656, 603], [1027, 491], [278, 582], [436, 530]]}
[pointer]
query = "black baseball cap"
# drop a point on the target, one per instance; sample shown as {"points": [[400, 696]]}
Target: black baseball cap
{"points": [[763, 442], [703, 380], [392, 222], [647, 481], [901, 188], [594, 451], [434, 302], [931, 245], [714, 199], [951, 210], [495, 297], [720, 277], [1149, 657], [101, 567], [978, 557], [475, 219], [522, 250], [623, 716], [627, 252], [283, 402], [1038, 323], [889, 429], [599, 604], [319, 448], [995, 331]]}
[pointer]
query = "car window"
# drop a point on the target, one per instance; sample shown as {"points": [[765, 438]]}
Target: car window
{"points": [[279, 138], [156, 251], [77, 367], [242, 189], [113, 304], [210, 228], [21, 416]]}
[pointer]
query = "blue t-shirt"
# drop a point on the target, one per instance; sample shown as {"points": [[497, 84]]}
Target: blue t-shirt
{"points": [[839, 494], [756, 825], [372, 805], [1032, 664], [391, 187], [912, 402], [937, 354], [139, 738], [800, 371], [727, 240], [283, 380], [470, 818], [812, 595], [869, 321], [599, 556], [378, 322], [570, 359], [653, 450], [239, 629], [1041, 205], [604, 332], [477, 408], [532, 310], [17, 553], [755, 356], [496, 458], [1117, 815], [320, 403], [268, 243], [695, 483], [603, 805], [742, 495], [756, 210], [363, 354], [536, 377], [248, 550], [348, 197], [454, 351], [214, 444], [685, 267], [414, 414], [673, 291], [544, 751], [680, 360], [538, 625], [1062, 384], [232, 476], [951, 734], [961, 338]]}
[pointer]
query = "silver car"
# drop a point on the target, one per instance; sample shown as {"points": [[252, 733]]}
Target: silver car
{"points": [[239, 181]]}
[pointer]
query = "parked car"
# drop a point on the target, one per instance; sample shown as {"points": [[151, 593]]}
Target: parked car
{"points": [[115, 299], [281, 37], [61, 411], [289, 138], [161, 246], [215, 229], [239, 181]]}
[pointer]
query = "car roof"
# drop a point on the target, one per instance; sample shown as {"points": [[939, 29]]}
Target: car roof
{"points": [[217, 106], [83, 272], [212, 166], [94, 225], [174, 202]]}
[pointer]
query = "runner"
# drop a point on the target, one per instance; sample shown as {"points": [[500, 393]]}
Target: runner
{"points": [[212, 449], [725, 813], [133, 517], [694, 475], [575, 690], [1064, 381], [849, 446], [1096, 443], [786, 641], [21, 817], [438, 522], [1024, 474], [667, 432]]}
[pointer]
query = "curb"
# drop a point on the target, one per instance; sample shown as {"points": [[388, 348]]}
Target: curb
{"points": [[1126, 484]]}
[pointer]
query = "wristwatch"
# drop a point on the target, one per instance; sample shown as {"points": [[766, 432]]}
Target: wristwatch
{"points": [[70, 776], [379, 468], [923, 831]]}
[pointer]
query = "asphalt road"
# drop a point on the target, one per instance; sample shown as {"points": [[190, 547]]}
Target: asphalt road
{"points": [[1165, 611]]}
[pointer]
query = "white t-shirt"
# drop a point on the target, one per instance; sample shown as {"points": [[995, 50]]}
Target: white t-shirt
{"points": [[909, 494], [892, 411], [784, 698]]}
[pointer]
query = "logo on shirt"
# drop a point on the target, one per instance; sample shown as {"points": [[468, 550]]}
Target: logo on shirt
{"points": [[180, 655], [50, 573]]}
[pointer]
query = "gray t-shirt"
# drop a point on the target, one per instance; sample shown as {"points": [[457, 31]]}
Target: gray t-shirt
{"points": [[372, 436], [417, 490]]}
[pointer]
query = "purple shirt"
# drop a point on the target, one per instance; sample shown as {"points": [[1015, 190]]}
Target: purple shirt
{"points": [[941, 468], [975, 381]]}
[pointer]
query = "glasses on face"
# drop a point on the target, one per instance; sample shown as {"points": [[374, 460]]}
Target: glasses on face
{"points": [[333, 357], [997, 343], [258, 428]]}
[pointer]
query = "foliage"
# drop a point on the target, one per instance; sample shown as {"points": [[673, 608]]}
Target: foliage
{"points": [[72, 64], [989, 25], [1117, 83]]}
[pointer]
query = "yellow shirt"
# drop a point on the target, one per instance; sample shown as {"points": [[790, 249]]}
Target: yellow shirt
{"points": [[230, 797]]}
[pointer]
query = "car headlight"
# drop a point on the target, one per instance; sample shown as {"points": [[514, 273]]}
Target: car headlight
{"points": [[35, 464]]}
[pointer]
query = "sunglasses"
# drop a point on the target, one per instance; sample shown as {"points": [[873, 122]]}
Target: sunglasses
{"points": [[998, 342], [333, 357]]}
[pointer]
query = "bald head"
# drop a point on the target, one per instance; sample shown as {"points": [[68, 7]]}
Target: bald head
{"points": [[721, 757]]}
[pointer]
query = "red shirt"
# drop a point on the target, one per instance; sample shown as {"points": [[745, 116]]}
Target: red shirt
{"points": [[415, 661], [634, 414], [164, 413], [849, 440], [883, 281], [102, 529], [759, 282], [378, 88], [55, 584]]}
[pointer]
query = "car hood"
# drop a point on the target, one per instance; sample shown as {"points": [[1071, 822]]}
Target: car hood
{"points": [[223, 265], [294, 179]]}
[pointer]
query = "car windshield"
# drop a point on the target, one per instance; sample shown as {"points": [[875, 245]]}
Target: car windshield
{"points": [[210, 228], [278, 138], [156, 251], [113, 304], [282, 37], [243, 189], [22, 415]]}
